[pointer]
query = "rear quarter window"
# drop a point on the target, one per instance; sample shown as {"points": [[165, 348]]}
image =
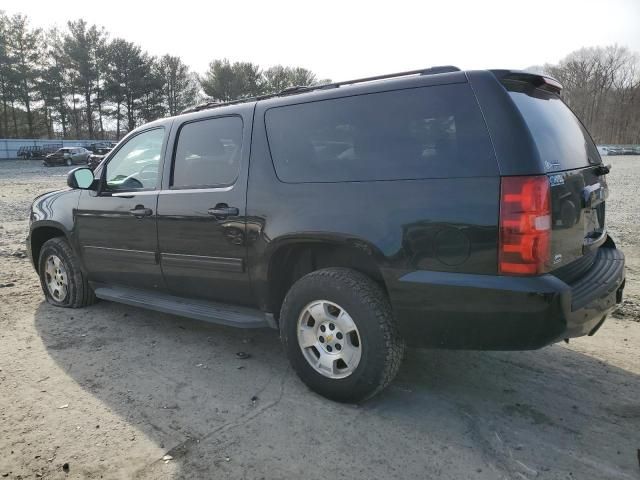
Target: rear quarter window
{"points": [[426, 132]]}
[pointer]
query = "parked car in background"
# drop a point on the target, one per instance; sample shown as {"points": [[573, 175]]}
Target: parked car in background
{"points": [[630, 150], [613, 150], [67, 156], [94, 160], [101, 148], [51, 147], [27, 152]]}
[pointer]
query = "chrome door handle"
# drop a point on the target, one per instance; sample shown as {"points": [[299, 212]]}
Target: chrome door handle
{"points": [[140, 211], [222, 211]]}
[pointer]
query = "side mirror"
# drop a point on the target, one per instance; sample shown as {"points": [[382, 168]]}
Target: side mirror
{"points": [[80, 178]]}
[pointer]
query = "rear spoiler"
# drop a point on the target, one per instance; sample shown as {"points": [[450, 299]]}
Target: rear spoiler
{"points": [[539, 81]]}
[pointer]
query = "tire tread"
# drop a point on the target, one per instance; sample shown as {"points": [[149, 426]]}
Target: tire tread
{"points": [[80, 296], [372, 294]]}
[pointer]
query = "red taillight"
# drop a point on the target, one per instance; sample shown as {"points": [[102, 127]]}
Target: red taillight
{"points": [[525, 225]]}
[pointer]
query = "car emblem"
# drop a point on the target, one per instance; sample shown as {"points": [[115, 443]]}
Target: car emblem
{"points": [[329, 338]]}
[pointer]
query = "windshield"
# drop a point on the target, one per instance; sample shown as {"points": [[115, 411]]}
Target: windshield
{"points": [[562, 140]]}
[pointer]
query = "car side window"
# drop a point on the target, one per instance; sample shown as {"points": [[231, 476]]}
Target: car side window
{"points": [[208, 153], [136, 165], [426, 132]]}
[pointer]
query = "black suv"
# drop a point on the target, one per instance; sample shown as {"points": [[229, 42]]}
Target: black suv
{"points": [[101, 148], [436, 208]]}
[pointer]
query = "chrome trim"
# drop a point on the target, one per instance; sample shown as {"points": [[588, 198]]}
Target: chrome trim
{"points": [[135, 193], [122, 254], [177, 260], [197, 190]]}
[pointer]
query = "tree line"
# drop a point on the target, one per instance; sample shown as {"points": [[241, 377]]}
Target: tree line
{"points": [[602, 86], [79, 83]]}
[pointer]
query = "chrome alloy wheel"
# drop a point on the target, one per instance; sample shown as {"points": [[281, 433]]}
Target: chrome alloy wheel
{"points": [[56, 278], [329, 339]]}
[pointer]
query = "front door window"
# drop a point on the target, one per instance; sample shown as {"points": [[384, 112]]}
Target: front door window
{"points": [[136, 165]]}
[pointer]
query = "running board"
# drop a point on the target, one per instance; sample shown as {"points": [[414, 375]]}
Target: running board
{"points": [[220, 313]]}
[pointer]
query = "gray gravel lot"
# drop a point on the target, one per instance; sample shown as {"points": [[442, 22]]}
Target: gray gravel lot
{"points": [[111, 389]]}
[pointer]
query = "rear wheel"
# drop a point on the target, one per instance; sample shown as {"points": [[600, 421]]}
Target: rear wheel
{"points": [[339, 334], [69, 162], [62, 280]]}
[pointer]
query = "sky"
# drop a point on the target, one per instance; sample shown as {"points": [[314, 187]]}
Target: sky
{"points": [[350, 39]]}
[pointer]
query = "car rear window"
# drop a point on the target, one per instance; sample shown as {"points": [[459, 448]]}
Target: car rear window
{"points": [[426, 132], [561, 139]]}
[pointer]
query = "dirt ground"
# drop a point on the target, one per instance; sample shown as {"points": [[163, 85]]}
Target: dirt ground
{"points": [[107, 391]]}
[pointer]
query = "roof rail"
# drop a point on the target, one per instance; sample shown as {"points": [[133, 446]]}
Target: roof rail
{"points": [[323, 86]]}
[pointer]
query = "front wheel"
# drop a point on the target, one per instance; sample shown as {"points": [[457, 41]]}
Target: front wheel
{"points": [[339, 333], [63, 282], [69, 162]]}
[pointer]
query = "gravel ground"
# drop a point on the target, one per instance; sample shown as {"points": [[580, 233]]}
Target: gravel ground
{"points": [[107, 391]]}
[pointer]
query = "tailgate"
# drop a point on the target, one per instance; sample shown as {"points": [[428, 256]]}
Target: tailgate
{"points": [[578, 226]]}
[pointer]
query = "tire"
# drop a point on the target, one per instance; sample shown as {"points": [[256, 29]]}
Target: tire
{"points": [[336, 291], [69, 162], [76, 292]]}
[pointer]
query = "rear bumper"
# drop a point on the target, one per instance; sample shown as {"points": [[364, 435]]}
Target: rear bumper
{"points": [[486, 312]]}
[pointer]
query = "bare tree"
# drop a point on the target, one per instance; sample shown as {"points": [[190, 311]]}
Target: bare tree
{"points": [[601, 84]]}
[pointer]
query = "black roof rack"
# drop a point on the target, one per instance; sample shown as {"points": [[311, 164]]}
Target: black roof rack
{"points": [[323, 86]]}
